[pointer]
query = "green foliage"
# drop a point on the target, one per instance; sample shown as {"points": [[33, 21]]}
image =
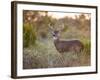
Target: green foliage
{"points": [[29, 35], [87, 45]]}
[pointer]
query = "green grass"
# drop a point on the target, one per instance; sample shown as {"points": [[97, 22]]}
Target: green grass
{"points": [[45, 55]]}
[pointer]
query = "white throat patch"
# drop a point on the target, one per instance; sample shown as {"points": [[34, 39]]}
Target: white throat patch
{"points": [[55, 38]]}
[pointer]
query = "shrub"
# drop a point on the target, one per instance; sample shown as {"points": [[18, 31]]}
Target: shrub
{"points": [[29, 36]]}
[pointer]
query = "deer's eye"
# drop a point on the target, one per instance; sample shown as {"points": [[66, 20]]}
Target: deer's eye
{"points": [[54, 35]]}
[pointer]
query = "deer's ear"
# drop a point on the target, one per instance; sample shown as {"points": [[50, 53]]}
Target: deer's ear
{"points": [[60, 27], [59, 33], [63, 27], [50, 27]]}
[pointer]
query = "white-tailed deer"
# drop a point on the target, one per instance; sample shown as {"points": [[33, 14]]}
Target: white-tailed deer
{"points": [[65, 45]]}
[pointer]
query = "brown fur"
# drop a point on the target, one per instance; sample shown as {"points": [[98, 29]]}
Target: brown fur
{"points": [[68, 46]]}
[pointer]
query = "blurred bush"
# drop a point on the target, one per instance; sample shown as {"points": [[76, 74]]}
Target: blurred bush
{"points": [[29, 35]]}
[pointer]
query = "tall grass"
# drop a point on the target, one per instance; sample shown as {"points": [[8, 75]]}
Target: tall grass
{"points": [[45, 55]]}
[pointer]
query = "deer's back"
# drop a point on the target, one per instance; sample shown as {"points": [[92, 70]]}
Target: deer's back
{"points": [[66, 46]]}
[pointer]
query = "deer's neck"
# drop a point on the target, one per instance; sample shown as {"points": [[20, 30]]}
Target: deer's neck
{"points": [[56, 40]]}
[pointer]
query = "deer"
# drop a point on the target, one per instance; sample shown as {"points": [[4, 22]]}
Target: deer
{"points": [[65, 45]]}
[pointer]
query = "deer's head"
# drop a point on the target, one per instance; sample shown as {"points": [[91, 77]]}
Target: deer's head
{"points": [[55, 32]]}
